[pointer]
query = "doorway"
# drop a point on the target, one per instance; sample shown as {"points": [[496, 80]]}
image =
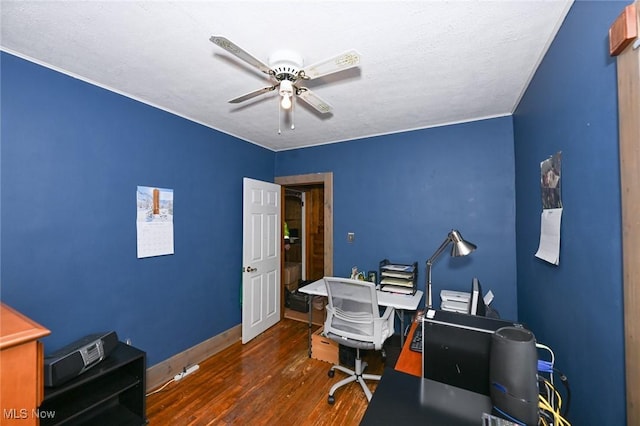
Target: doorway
{"points": [[295, 254], [315, 230]]}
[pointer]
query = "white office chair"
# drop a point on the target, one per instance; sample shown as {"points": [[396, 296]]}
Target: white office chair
{"points": [[353, 320]]}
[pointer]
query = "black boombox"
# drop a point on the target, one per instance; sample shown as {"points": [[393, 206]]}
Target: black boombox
{"points": [[77, 357]]}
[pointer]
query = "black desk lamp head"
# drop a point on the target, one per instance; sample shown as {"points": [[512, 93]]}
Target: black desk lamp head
{"points": [[460, 248]]}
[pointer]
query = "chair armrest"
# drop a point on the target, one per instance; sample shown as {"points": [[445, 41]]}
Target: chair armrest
{"points": [[387, 312], [387, 318]]}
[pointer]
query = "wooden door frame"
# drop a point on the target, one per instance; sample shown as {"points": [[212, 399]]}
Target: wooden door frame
{"points": [[628, 65], [326, 180]]}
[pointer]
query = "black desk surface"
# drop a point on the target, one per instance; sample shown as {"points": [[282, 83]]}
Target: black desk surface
{"points": [[401, 398]]}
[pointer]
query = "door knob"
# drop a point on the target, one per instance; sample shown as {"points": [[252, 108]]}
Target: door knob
{"points": [[250, 269]]}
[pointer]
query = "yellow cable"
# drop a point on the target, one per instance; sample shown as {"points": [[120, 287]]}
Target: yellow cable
{"points": [[548, 393], [545, 405], [555, 393], [559, 420]]}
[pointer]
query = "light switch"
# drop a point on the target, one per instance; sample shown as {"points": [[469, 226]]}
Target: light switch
{"points": [[351, 236]]}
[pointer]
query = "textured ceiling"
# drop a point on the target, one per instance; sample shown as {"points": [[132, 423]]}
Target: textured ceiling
{"points": [[423, 63]]}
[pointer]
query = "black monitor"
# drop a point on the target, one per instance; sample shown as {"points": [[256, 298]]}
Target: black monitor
{"points": [[476, 301], [457, 347]]}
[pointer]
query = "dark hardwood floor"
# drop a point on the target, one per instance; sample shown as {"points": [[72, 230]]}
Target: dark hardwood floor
{"points": [[268, 381]]}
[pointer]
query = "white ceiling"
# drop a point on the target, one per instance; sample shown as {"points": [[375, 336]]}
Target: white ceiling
{"points": [[424, 63]]}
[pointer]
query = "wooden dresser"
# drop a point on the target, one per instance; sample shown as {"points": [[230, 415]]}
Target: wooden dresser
{"points": [[21, 368]]}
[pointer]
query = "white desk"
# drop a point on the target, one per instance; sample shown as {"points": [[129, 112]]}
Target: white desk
{"points": [[400, 302]]}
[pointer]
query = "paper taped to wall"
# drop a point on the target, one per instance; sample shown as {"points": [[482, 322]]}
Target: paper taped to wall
{"points": [[549, 248]]}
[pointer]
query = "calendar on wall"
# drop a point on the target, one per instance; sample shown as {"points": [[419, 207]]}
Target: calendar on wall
{"points": [[154, 221], [550, 184]]}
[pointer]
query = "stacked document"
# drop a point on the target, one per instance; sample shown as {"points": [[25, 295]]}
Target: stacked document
{"points": [[397, 278], [454, 301], [391, 288]]}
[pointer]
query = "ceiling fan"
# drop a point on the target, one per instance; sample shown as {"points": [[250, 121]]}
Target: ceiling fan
{"points": [[286, 71]]}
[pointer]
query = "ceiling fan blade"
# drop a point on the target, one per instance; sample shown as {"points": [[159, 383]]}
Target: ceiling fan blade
{"points": [[314, 100], [253, 94], [340, 62], [234, 49]]}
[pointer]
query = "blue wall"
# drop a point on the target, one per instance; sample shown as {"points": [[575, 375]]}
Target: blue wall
{"points": [[576, 307], [72, 157], [401, 194]]}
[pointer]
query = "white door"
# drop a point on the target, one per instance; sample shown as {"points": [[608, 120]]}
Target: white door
{"points": [[260, 257]]}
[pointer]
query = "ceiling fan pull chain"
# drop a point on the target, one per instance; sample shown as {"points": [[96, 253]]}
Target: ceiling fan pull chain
{"points": [[293, 106], [279, 117]]}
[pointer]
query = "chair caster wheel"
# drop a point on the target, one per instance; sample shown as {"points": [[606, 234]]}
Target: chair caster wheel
{"points": [[331, 399], [331, 373]]}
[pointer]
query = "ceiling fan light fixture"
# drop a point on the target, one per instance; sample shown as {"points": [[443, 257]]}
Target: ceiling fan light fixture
{"points": [[286, 92], [286, 102]]}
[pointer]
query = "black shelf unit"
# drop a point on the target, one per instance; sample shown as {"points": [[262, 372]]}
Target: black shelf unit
{"points": [[110, 393], [398, 277]]}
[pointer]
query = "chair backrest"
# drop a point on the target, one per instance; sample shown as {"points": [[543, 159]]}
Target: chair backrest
{"points": [[352, 309]]}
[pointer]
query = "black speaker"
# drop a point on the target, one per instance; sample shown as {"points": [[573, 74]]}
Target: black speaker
{"points": [[513, 374], [77, 357]]}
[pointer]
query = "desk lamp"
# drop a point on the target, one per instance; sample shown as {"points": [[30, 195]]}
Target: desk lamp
{"points": [[460, 248]]}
